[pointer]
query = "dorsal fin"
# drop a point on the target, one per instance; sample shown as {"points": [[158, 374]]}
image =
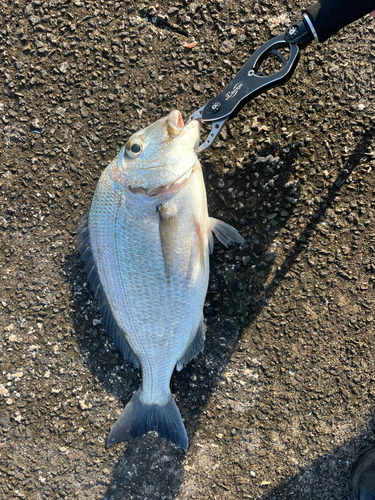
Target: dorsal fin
{"points": [[83, 246]]}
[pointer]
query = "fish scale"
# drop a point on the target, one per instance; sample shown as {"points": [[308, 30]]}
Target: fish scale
{"points": [[147, 254]]}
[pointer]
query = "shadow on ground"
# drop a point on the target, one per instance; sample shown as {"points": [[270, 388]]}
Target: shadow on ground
{"points": [[161, 475], [328, 201], [329, 476]]}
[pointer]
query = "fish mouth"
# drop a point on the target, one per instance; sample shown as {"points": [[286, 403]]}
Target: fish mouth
{"points": [[175, 119], [175, 126]]}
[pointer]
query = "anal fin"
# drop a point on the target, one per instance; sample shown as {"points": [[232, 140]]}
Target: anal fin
{"points": [[195, 347]]}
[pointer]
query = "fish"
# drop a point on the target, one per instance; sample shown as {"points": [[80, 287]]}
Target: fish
{"points": [[145, 245]]}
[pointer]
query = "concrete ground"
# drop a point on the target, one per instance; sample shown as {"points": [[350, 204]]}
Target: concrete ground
{"points": [[281, 401]]}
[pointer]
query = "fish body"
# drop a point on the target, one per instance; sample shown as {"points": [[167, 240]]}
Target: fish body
{"points": [[145, 244]]}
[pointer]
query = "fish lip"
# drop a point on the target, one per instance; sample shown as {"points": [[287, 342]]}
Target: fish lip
{"points": [[175, 124], [198, 141], [175, 119], [191, 125]]}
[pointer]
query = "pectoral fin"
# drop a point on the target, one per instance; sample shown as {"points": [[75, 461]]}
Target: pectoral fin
{"points": [[168, 230], [225, 233], [198, 246]]}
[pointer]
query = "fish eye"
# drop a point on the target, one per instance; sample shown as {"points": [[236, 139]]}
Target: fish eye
{"points": [[133, 149]]}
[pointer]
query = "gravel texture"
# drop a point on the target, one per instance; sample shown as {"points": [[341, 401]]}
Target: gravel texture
{"points": [[281, 401]]}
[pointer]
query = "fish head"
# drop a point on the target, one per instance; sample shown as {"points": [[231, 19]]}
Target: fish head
{"points": [[160, 158]]}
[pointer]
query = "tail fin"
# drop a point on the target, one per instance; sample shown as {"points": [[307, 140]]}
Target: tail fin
{"points": [[139, 418]]}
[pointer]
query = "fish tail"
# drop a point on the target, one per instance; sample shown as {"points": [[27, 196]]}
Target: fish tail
{"points": [[139, 418]]}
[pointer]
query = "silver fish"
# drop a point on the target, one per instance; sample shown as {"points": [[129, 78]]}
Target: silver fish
{"points": [[145, 244]]}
